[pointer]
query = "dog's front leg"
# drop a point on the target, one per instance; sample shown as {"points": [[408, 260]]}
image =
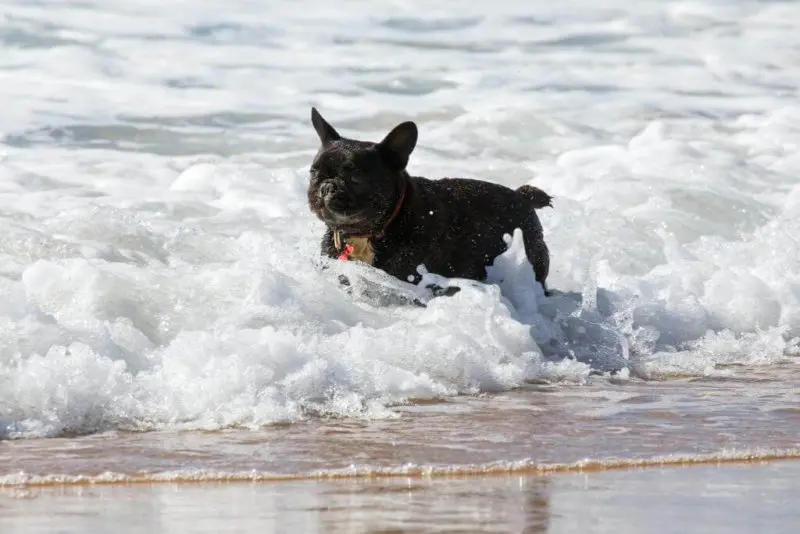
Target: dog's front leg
{"points": [[328, 249], [327, 246]]}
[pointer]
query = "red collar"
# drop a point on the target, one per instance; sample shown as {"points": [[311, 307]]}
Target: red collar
{"points": [[348, 249]]}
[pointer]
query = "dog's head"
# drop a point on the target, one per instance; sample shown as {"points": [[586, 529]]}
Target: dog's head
{"points": [[355, 185]]}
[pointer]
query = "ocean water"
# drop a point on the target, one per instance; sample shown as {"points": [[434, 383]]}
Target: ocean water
{"points": [[164, 314]]}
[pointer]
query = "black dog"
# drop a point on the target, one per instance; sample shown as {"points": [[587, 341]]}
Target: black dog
{"points": [[378, 214]]}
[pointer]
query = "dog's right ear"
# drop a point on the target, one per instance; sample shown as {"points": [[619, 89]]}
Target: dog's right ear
{"points": [[325, 131]]}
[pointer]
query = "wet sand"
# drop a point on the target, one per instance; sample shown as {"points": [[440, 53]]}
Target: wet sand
{"points": [[757, 497]]}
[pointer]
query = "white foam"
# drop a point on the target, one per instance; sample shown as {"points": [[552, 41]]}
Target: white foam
{"points": [[158, 263], [263, 339]]}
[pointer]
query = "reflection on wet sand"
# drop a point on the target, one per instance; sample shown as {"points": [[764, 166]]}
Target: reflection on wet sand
{"points": [[755, 497], [520, 504]]}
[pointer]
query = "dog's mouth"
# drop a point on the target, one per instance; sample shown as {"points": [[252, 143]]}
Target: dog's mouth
{"points": [[340, 216], [339, 207]]}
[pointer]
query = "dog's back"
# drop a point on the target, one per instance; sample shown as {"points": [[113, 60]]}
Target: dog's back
{"points": [[459, 223]]}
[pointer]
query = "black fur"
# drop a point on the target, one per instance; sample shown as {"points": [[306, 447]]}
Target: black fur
{"points": [[452, 226]]}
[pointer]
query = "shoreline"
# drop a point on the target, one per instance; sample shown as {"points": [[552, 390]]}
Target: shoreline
{"points": [[200, 477]]}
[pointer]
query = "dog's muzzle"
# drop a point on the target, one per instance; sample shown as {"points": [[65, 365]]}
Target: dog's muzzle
{"points": [[327, 190], [335, 198]]}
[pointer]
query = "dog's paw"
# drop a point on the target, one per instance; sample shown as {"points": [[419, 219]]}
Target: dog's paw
{"points": [[439, 291], [547, 291]]}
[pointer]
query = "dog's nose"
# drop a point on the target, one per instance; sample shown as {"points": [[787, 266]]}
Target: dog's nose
{"points": [[327, 189]]}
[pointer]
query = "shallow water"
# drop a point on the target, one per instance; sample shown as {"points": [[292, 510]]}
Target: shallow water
{"points": [[164, 316], [535, 429]]}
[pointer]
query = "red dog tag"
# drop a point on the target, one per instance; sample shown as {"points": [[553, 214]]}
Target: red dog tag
{"points": [[348, 249]]}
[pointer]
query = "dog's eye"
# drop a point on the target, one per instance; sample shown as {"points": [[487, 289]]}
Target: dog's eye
{"points": [[349, 171]]}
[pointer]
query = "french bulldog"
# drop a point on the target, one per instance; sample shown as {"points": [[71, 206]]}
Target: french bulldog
{"points": [[377, 213]]}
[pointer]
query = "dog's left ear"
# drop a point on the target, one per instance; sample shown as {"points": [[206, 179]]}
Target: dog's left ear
{"points": [[398, 144]]}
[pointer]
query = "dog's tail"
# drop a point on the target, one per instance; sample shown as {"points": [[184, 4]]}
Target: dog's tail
{"points": [[535, 196]]}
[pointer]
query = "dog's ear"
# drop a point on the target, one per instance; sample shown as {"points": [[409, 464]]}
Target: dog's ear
{"points": [[398, 144], [324, 130]]}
